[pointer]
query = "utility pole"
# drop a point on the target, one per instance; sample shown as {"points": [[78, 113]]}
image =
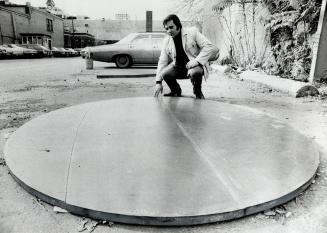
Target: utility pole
{"points": [[1, 35], [73, 44]]}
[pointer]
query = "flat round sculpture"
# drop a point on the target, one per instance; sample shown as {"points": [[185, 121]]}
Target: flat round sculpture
{"points": [[169, 161]]}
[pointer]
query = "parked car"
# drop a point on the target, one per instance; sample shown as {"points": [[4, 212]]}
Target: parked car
{"points": [[56, 52], [73, 52], [14, 50], [26, 51], [8, 52], [78, 50], [41, 50], [2, 52], [64, 51], [136, 48], [84, 52]]}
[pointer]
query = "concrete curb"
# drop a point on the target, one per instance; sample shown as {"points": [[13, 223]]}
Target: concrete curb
{"points": [[294, 88]]}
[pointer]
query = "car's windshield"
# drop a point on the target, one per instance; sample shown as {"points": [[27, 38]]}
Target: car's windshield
{"points": [[127, 39], [13, 46], [7, 46], [40, 46]]}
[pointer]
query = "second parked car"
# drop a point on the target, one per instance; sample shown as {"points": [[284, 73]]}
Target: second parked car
{"points": [[41, 50], [72, 52]]}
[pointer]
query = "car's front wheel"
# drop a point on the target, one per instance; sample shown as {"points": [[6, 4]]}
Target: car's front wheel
{"points": [[123, 61]]}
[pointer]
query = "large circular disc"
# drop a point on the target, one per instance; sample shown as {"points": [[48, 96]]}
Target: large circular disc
{"points": [[170, 161]]}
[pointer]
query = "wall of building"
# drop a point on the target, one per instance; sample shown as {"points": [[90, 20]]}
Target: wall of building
{"points": [[7, 32], [14, 21]]}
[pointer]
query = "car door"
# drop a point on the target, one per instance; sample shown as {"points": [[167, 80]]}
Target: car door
{"points": [[140, 48], [157, 41]]}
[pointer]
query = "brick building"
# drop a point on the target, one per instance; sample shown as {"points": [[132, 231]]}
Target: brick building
{"points": [[23, 24]]}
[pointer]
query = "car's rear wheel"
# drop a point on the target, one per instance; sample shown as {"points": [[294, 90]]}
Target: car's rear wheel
{"points": [[123, 61]]}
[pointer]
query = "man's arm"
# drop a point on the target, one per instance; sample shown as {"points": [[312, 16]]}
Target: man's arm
{"points": [[208, 50], [162, 63], [163, 60]]}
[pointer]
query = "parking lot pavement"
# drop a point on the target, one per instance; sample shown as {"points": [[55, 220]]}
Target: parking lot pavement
{"points": [[109, 70]]}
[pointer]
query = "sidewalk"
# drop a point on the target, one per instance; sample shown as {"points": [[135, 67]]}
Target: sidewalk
{"points": [[294, 88]]}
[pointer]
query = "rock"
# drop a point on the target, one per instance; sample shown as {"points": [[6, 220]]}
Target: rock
{"points": [[288, 214], [323, 91], [269, 213], [91, 227], [82, 227], [281, 211], [307, 90], [59, 210]]}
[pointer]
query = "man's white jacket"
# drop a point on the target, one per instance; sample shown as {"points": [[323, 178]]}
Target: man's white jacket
{"points": [[195, 45]]}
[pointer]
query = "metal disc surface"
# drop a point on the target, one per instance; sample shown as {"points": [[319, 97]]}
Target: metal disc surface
{"points": [[170, 161]]}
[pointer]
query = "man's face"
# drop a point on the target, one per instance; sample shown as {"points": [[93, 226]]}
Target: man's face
{"points": [[171, 28]]}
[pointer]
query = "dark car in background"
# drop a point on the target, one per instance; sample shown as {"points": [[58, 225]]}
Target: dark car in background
{"points": [[41, 50], [136, 48], [78, 50], [64, 51], [72, 52], [58, 52]]}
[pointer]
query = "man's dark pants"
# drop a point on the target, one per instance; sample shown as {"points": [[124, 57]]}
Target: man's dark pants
{"points": [[172, 72]]}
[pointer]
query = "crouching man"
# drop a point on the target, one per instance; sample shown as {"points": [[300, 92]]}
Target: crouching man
{"points": [[185, 54]]}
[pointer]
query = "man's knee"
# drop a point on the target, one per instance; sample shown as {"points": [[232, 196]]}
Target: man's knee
{"points": [[196, 72], [168, 73]]}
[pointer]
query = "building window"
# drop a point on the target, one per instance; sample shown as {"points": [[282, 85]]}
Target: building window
{"points": [[49, 25]]}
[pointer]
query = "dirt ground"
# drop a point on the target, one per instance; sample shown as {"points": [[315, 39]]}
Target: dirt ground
{"points": [[28, 93]]}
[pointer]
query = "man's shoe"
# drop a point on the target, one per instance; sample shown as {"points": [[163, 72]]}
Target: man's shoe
{"points": [[173, 94], [199, 95]]}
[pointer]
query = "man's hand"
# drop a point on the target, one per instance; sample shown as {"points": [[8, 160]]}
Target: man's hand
{"points": [[159, 89], [192, 63]]}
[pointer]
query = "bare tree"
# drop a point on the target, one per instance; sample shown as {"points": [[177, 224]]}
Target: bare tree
{"points": [[190, 10]]}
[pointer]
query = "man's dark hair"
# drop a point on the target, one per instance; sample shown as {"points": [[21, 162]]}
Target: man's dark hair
{"points": [[175, 20]]}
